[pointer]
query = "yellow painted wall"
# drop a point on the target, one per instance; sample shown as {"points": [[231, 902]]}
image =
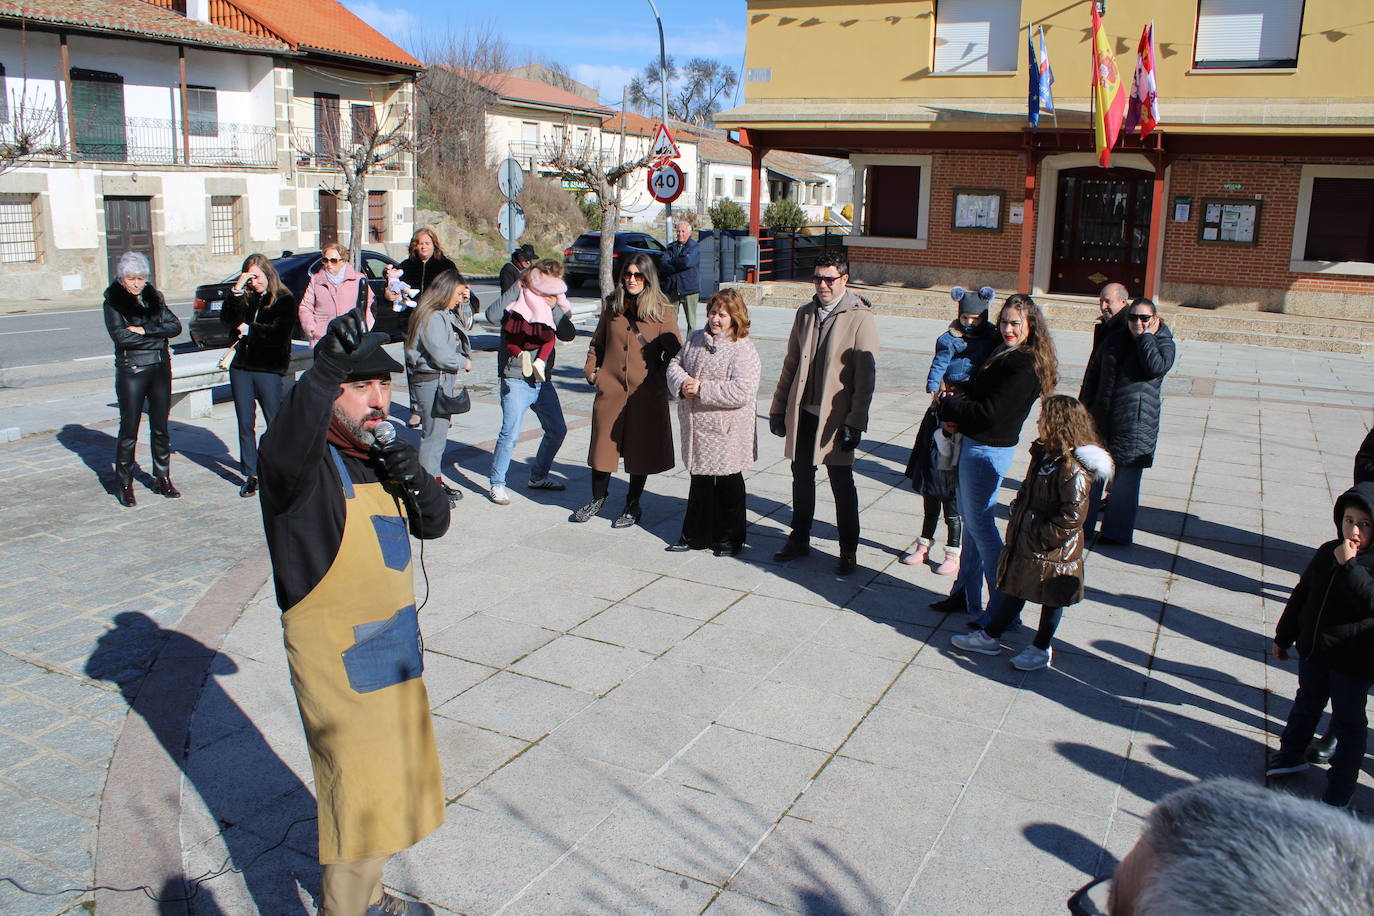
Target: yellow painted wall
{"points": [[833, 49]]}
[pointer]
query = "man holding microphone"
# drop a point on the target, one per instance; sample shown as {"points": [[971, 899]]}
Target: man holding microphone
{"points": [[340, 497]]}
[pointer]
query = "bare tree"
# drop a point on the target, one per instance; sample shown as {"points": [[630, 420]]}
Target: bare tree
{"points": [[454, 94], [31, 133], [695, 90], [32, 130], [372, 142], [604, 176]]}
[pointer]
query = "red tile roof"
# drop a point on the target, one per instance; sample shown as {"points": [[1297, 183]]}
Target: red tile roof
{"points": [[134, 17], [636, 125], [321, 25], [518, 89]]}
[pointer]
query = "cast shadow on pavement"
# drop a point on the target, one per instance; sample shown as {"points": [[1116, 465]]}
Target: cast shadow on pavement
{"points": [[253, 797], [96, 449]]}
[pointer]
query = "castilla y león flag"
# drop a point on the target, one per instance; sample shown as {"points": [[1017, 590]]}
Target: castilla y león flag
{"points": [[1144, 107], [1108, 92]]}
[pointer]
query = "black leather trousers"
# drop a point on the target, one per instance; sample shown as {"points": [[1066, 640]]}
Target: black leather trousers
{"points": [[135, 385]]}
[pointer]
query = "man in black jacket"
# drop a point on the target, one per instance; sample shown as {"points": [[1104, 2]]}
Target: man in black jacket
{"points": [[681, 274], [1330, 618], [1132, 351], [337, 500]]}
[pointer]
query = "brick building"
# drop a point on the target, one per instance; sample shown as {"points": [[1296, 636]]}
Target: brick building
{"points": [[1257, 188]]}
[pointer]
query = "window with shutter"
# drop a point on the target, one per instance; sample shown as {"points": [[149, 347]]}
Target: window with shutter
{"points": [[98, 115], [1247, 34], [976, 36], [202, 111]]}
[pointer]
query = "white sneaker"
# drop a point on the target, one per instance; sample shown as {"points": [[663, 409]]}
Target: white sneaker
{"points": [[499, 496], [1032, 659], [526, 364], [537, 370], [977, 641]]}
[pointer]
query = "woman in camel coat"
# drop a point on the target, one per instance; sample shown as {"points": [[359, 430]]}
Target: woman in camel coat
{"points": [[627, 362]]}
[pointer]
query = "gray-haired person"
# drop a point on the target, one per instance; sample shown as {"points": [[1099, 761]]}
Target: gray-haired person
{"points": [[1226, 847], [140, 324]]}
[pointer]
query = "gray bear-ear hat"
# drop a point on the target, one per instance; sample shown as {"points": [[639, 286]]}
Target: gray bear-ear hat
{"points": [[957, 293], [986, 293]]}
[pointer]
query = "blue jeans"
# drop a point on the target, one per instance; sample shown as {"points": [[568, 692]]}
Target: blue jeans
{"points": [[517, 396], [981, 469], [1317, 684], [249, 388], [1118, 517]]}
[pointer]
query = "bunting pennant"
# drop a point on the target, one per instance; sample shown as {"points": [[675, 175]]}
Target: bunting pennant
{"points": [[1108, 93], [1144, 103], [1046, 76]]}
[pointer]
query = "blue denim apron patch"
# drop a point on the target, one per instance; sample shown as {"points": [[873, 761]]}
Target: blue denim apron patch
{"points": [[385, 652], [394, 540]]}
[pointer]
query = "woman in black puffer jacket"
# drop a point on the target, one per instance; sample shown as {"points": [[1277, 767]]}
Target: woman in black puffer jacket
{"points": [[1121, 389], [262, 313], [140, 324]]}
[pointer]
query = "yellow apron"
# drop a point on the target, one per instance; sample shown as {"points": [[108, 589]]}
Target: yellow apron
{"points": [[353, 644]]}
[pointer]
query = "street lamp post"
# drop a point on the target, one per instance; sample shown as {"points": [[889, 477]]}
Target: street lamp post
{"points": [[663, 99]]}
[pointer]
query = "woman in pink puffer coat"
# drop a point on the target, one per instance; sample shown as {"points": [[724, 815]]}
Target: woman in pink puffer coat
{"points": [[332, 290], [715, 377]]}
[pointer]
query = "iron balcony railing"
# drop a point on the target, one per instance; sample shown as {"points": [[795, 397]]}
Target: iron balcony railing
{"points": [[327, 149], [97, 137]]}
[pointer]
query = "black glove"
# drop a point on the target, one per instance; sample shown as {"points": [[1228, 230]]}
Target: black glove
{"points": [[777, 425], [849, 438], [402, 463], [347, 339]]}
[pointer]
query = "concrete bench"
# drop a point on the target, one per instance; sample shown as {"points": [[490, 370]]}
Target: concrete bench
{"points": [[196, 375]]}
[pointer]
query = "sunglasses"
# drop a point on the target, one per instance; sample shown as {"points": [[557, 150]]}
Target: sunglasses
{"points": [[1080, 904], [828, 281], [332, 260], [633, 275], [1141, 318]]}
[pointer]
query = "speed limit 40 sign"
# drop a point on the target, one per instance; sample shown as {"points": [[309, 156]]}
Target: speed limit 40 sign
{"points": [[666, 182]]}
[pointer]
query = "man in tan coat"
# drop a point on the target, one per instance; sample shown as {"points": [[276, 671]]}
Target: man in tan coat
{"points": [[821, 404]]}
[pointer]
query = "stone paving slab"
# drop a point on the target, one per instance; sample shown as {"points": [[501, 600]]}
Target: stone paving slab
{"points": [[631, 729]]}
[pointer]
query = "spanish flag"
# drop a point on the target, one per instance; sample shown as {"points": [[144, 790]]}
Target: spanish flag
{"points": [[1108, 93]]}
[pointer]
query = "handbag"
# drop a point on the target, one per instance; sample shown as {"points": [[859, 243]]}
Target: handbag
{"points": [[446, 404]]}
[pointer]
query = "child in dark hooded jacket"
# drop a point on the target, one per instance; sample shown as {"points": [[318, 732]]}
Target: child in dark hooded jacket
{"points": [[1330, 619]]}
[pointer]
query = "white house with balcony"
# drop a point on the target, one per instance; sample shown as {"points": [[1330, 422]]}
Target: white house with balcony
{"points": [[156, 129]]}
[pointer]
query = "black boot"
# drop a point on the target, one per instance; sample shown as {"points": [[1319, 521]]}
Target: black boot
{"points": [[954, 602], [165, 486], [124, 492], [1321, 749]]}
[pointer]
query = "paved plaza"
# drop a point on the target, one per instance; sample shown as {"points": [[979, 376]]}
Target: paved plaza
{"points": [[628, 730]]}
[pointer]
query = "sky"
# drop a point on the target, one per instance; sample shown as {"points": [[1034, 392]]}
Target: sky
{"points": [[604, 43]]}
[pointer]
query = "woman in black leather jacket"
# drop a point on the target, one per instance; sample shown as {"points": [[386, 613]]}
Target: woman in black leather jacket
{"points": [[262, 312], [140, 324]]}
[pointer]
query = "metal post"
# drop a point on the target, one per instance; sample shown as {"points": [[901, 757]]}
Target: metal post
{"points": [[663, 98]]}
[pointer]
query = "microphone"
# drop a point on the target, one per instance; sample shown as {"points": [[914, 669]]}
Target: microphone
{"points": [[384, 434]]}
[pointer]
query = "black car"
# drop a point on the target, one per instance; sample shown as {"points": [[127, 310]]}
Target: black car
{"points": [[295, 271], [582, 259]]}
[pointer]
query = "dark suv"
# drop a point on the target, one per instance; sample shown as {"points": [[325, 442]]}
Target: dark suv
{"points": [[295, 271], [582, 259]]}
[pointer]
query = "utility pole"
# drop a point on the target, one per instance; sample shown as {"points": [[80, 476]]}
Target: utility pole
{"points": [[663, 98]]}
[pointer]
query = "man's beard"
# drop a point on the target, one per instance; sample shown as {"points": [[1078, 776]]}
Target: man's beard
{"points": [[360, 432]]}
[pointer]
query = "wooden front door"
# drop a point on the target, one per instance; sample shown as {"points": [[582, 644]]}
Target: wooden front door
{"points": [[129, 227], [1101, 230], [329, 217]]}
